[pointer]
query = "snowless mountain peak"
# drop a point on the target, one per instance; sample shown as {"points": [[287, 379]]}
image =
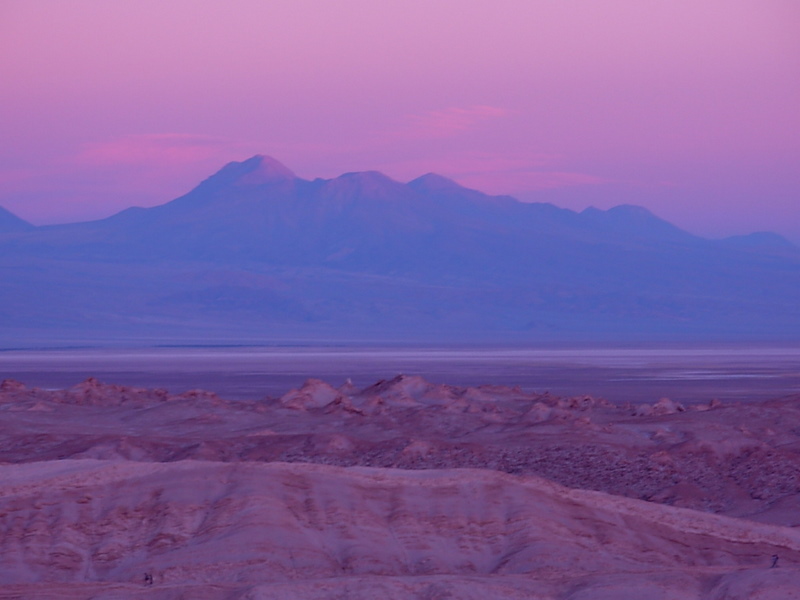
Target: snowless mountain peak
{"points": [[256, 170], [367, 177], [253, 253], [364, 184], [632, 210], [433, 182], [620, 210]]}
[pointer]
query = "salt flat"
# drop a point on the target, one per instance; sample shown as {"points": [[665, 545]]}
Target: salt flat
{"points": [[620, 374]]}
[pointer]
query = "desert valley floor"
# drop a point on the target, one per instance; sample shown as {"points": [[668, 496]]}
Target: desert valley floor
{"points": [[401, 488]]}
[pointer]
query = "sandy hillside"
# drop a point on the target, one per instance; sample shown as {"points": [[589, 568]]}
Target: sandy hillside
{"points": [[404, 489]]}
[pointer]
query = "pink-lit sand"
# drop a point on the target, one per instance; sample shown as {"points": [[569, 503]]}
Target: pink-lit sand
{"points": [[416, 491]]}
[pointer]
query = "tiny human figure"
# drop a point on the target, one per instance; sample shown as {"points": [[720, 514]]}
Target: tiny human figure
{"points": [[774, 561], [148, 579]]}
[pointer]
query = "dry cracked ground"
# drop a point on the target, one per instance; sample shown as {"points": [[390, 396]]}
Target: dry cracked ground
{"points": [[404, 490]]}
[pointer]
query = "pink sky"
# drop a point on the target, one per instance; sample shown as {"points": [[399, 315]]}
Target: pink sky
{"points": [[687, 107]]}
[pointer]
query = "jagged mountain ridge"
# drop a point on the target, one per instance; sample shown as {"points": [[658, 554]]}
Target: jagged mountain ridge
{"points": [[255, 248], [258, 210]]}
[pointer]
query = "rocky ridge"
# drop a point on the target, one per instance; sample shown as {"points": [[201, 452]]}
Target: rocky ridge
{"points": [[415, 488]]}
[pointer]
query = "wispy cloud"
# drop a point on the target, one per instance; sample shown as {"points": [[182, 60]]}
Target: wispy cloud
{"points": [[447, 122]]}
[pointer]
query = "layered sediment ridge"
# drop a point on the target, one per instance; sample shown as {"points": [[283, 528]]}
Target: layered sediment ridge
{"points": [[404, 489]]}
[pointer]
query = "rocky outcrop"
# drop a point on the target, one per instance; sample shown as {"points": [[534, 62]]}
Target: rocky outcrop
{"points": [[405, 489], [87, 524]]}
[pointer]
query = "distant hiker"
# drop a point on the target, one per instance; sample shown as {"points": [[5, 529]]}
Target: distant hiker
{"points": [[148, 579], [774, 561]]}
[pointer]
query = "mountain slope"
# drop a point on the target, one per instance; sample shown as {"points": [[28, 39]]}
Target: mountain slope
{"points": [[256, 251], [10, 223], [258, 210]]}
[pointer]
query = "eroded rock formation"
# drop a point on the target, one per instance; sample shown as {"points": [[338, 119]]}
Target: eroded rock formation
{"points": [[404, 489]]}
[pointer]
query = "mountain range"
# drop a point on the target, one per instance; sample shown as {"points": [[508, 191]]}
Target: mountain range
{"points": [[255, 254]]}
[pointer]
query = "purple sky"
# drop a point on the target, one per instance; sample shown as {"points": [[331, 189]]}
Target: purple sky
{"points": [[688, 107]]}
